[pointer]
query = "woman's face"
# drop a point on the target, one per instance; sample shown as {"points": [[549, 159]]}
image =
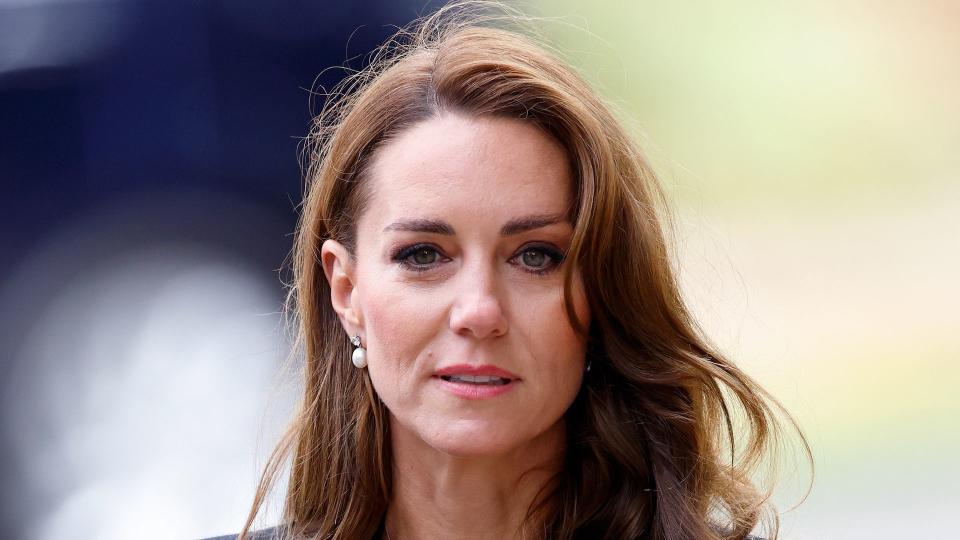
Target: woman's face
{"points": [[457, 287]]}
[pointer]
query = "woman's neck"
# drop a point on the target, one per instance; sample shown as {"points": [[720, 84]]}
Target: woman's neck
{"points": [[437, 495]]}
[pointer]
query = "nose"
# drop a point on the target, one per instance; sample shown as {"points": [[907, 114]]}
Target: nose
{"points": [[478, 310]]}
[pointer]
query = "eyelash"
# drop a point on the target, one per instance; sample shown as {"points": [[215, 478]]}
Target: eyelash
{"points": [[402, 257]]}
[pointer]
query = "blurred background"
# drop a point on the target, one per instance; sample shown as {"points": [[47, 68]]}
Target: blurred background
{"points": [[149, 173]]}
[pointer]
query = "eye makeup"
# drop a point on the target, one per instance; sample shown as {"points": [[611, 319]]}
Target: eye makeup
{"points": [[422, 257], [418, 257], [553, 258]]}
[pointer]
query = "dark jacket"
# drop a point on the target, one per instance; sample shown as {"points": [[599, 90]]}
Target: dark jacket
{"points": [[273, 533]]}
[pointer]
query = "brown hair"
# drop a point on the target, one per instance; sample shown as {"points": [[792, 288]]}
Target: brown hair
{"points": [[652, 451]]}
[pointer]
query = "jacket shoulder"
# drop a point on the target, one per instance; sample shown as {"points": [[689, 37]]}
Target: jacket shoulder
{"points": [[273, 533]]}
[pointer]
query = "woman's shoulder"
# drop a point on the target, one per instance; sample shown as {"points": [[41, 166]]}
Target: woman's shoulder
{"points": [[273, 533]]}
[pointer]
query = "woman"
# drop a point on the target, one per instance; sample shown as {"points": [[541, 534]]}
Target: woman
{"points": [[494, 341]]}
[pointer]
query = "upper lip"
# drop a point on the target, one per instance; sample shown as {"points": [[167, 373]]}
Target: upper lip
{"points": [[470, 369]]}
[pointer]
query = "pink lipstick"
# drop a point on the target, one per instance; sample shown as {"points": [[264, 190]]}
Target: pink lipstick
{"points": [[475, 382]]}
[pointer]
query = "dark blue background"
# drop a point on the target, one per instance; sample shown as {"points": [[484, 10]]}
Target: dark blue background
{"points": [[181, 121]]}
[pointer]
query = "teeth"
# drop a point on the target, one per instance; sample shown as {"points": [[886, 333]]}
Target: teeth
{"points": [[476, 379]]}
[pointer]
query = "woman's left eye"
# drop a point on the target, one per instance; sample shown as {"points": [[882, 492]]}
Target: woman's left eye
{"points": [[539, 259], [534, 258]]}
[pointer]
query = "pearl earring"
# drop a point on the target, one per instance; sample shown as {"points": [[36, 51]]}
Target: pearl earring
{"points": [[359, 354]]}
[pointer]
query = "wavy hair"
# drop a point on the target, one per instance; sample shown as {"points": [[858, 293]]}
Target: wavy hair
{"points": [[652, 449]]}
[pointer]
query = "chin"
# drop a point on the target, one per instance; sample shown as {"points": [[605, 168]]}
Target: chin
{"points": [[464, 438]]}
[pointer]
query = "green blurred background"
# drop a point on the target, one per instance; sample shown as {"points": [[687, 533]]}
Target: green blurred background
{"points": [[812, 153]]}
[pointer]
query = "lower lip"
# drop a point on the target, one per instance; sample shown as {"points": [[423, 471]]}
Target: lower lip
{"points": [[475, 391]]}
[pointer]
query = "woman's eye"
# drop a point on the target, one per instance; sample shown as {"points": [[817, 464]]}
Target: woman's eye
{"points": [[418, 258], [534, 258], [539, 259], [424, 256]]}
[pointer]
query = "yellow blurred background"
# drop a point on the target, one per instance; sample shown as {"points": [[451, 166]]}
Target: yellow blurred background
{"points": [[812, 153]]}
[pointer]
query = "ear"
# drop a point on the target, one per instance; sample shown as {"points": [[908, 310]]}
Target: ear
{"points": [[340, 270]]}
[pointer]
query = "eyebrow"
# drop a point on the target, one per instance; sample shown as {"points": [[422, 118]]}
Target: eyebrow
{"points": [[529, 223], [514, 226], [431, 226]]}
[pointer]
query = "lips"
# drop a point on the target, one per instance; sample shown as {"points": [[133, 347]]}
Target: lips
{"points": [[482, 374], [474, 382], [476, 379]]}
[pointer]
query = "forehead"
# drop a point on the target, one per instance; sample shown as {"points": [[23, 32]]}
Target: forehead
{"points": [[477, 169]]}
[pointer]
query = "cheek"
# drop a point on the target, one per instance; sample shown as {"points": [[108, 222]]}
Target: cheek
{"points": [[568, 342], [559, 348], [389, 320], [387, 335], [399, 325]]}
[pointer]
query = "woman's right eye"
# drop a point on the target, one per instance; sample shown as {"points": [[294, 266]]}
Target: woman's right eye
{"points": [[424, 256], [418, 258]]}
